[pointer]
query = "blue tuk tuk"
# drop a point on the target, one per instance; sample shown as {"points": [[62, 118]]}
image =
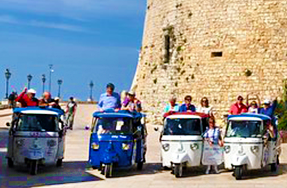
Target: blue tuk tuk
{"points": [[117, 141]]}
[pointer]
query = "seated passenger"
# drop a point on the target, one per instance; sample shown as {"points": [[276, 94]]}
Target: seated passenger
{"points": [[132, 104], [238, 107], [187, 106], [205, 107], [56, 103], [253, 107], [268, 109], [46, 100], [27, 98], [172, 106], [110, 99]]}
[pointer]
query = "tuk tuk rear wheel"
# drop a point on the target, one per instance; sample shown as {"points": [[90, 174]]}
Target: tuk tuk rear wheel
{"points": [[10, 163], [238, 172], [140, 165], [34, 167], [59, 162], [178, 170]]}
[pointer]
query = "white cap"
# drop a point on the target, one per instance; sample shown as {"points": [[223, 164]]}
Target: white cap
{"points": [[266, 101], [33, 91], [132, 93], [56, 98]]}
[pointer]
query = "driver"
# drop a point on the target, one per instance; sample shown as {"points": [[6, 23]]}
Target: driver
{"points": [[105, 128]]}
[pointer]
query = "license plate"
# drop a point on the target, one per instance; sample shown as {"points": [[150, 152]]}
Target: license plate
{"points": [[36, 153]]}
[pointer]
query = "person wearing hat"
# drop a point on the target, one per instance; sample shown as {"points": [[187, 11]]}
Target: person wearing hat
{"points": [[132, 103], [238, 107], [27, 98], [56, 103], [268, 109], [110, 99]]}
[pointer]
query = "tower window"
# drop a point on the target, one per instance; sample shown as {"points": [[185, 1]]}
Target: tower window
{"points": [[166, 48], [216, 54]]}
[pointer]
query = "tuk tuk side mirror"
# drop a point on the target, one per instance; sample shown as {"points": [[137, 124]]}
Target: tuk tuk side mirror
{"points": [[8, 124]]}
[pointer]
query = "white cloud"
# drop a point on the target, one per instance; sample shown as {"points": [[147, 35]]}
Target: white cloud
{"points": [[35, 23]]}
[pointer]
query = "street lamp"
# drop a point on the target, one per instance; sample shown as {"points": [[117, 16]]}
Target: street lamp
{"points": [[7, 75], [44, 81], [29, 77], [59, 91], [50, 78], [91, 91]]}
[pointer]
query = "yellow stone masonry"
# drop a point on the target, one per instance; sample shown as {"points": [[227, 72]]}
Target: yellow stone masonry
{"points": [[213, 48]]}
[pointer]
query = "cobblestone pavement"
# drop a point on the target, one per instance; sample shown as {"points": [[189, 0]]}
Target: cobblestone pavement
{"points": [[76, 173]]}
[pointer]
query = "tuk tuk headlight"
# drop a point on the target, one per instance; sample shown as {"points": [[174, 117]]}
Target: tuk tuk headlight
{"points": [[95, 146], [51, 143], [254, 149], [194, 146], [165, 147], [227, 149], [20, 143], [126, 146]]}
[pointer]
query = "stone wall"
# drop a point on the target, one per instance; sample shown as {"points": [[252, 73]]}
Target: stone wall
{"points": [[213, 48]]}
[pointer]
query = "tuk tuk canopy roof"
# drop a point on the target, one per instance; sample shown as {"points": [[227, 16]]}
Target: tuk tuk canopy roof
{"points": [[186, 114], [119, 114], [250, 115], [40, 110]]}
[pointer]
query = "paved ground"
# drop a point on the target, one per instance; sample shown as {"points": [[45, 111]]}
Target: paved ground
{"points": [[75, 172]]}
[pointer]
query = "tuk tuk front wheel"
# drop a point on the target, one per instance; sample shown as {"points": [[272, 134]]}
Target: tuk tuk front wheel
{"points": [[108, 171], [178, 170], [33, 167], [238, 172], [10, 163]]}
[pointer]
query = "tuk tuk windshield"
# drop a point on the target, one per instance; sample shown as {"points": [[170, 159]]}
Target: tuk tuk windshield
{"points": [[38, 122], [113, 126], [182, 127], [244, 129]]}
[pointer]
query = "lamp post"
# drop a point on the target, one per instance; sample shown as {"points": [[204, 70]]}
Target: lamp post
{"points": [[44, 81], [59, 91], [50, 76], [91, 91], [7, 75], [29, 77]]}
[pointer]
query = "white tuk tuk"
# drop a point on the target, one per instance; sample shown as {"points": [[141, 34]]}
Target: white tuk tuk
{"points": [[182, 142], [248, 145], [36, 137]]}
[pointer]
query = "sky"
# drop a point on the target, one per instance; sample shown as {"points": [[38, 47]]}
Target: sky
{"points": [[85, 40]]}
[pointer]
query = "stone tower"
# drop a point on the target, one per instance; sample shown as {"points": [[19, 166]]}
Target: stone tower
{"points": [[213, 48]]}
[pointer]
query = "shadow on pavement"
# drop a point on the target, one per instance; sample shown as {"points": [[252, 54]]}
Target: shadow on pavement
{"points": [[266, 172], [148, 168]]}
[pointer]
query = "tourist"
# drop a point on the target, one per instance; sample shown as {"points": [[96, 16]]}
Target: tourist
{"points": [[12, 99], [110, 99], [253, 107], [172, 106], [27, 98], [56, 103], [124, 97], [238, 107], [46, 100], [213, 138], [132, 103], [71, 111], [204, 107], [187, 106], [268, 109]]}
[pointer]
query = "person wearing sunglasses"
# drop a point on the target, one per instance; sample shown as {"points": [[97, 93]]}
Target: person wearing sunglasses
{"points": [[205, 107], [27, 98], [187, 106], [238, 107]]}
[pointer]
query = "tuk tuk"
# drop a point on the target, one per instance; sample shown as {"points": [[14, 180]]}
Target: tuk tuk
{"points": [[36, 137], [182, 142], [248, 145], [118, 140]]}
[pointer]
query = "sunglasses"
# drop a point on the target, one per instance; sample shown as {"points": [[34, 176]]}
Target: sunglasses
{"points": [[188, 99], [240, 99]]}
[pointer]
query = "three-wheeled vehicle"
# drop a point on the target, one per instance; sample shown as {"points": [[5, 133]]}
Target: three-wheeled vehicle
{"points": [[182, 142], [36, 137], [248, 144], [117, 141]]}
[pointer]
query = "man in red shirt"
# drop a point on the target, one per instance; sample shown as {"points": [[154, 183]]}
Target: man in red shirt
{"points": [[27, 98], [238, 107]]}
